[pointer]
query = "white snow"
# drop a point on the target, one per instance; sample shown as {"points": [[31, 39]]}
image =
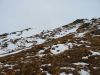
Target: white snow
{"points": [[28, 44], [71, 68], [41, 51], [20, 34], [11, 46], [86, 57], [95, 53], [96, 67], [70, 74], [46, 65], [80, 63], [87, 46], [47, 73], [21, 44], [9, 66], [16, 51], [67, 31], [25, 42], [80, 34], [40, 41], [70, 45], [83, 72], [40, 55], [86, 21], [2, 52], [63, 73], [59, 48], [98, 26], [85, 42]]}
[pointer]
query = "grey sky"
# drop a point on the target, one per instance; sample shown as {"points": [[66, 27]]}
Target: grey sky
{"points": [[44, 14]]}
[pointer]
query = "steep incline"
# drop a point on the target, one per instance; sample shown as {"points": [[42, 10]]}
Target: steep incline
{"points": [[72, 49]]}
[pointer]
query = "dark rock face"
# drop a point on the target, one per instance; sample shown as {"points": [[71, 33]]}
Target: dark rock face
{"points": [[96, 32], [85, 25], [79, 21]]}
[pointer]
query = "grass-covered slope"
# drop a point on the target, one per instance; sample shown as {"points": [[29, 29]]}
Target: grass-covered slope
{"points": [[72, 49]]}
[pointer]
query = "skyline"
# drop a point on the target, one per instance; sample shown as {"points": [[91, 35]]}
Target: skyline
{"points": [[44, 14]]}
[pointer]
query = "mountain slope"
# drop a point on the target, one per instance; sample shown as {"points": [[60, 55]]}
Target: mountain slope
{"points": [[72, 49]]}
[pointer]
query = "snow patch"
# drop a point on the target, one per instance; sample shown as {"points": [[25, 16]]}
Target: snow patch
{"points": [[40, 41], [80, 34], [68, 68], [59, 48], [83, 72], [66, 32], [47, 73], [95, 53], [80, 63], [63, 73]]}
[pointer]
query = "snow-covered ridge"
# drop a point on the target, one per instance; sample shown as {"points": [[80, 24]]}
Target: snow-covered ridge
{"points": [[17, 41], [21, 40]]}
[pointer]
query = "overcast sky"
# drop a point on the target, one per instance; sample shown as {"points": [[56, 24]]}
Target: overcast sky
{"points": [[44, 14]]}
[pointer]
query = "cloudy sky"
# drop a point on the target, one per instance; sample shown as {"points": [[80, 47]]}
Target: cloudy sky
{"points": [[44, 14]]}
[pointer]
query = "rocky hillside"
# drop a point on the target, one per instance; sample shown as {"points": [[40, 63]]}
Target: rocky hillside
{"points": [[72, 49]]}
